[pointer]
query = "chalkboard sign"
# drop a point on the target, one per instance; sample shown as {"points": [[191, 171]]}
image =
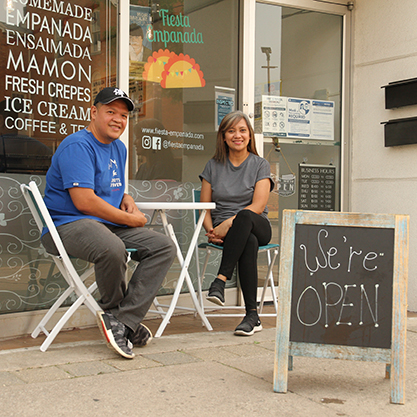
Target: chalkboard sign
{"points": [[343, 291], [342, 285], [316, 187]]}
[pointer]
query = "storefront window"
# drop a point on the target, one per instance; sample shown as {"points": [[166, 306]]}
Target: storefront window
{"points": [[180, 52], [183, 77], [55, 57]]}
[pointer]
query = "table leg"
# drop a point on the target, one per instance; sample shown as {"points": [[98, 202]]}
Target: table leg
{"points": [[184, 275]]}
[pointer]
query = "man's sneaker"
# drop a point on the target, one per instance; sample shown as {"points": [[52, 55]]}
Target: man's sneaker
{"points": [[249, 325], [141, 337], [216, 292], [114, 333]]}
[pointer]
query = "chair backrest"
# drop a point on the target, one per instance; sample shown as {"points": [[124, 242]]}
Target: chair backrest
{"points": [[41, 214], [29, 192]]}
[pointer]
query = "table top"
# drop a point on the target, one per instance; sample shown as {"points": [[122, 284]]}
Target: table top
{"points": [[164, 205]]}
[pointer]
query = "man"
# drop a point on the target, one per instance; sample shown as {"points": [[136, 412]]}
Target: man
{"points": [[97, 221], [137, 51]]}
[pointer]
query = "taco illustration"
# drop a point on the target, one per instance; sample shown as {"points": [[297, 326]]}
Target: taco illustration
{"points": [[181, 71], [155, 65]]}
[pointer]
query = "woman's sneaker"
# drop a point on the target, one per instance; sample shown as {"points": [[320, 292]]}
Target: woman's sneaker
{"points": [[249, 325], [216, 292]]}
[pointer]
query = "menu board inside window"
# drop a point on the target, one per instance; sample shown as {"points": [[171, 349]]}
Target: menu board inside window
{"points": [[317, 187]]}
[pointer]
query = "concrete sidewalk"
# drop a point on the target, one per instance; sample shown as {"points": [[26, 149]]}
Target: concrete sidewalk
{"points": [[199, 374]]}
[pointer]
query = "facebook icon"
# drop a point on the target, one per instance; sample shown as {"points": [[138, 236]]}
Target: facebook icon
{"points": [[156, 143]]}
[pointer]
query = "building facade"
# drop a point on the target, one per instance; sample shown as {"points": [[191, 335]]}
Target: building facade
{"points": [[308, 73]]}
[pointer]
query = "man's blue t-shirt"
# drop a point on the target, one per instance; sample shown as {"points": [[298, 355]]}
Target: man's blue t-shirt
{"points": [[82, 161]]}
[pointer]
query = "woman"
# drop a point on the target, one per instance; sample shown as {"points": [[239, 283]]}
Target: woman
{"points": [[238, 180]]}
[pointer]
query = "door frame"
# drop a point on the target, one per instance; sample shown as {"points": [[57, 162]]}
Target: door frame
{"points": [[341, 8]]}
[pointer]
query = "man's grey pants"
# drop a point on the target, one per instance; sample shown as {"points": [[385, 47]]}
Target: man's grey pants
{"points": [[105, 246]]}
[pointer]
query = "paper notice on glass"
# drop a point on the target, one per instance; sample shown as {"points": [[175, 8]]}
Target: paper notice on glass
{"points": [[299, 117], [322, 120], [274, 116], [225, 103]]}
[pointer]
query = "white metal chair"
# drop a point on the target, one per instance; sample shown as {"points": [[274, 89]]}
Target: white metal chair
{"points": [[271, 251], [75, 282]]}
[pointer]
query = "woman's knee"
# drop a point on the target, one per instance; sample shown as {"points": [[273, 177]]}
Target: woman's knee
{"points": [[259, 226], [243, 216], [243, 220]]}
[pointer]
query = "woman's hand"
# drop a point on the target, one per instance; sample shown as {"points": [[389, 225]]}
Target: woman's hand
{"points": [[221, 230], [213, 239], [217, 234]]}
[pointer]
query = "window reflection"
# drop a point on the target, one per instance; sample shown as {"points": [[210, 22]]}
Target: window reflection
{"points": [[19, 152], [54, 61], [155, 162], [194, 49]]}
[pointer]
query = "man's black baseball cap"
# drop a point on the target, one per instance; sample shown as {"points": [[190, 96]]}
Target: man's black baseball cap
{"points": [[109, 94]]}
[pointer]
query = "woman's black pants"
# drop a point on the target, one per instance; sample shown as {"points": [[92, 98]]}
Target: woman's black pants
{"points": [[240, 246]]}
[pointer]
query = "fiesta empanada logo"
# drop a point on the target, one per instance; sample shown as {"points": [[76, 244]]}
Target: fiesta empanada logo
{"points": [[173, 71]]}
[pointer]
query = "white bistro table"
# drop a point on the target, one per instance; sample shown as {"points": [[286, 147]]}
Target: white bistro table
{"points": [[161, 208]]}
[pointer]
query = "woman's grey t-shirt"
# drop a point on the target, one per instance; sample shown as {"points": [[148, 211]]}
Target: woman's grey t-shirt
{"points": [[233, 187]]}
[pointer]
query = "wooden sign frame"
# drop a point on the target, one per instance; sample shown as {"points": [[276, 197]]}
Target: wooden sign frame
{"points": [[393, 357]]}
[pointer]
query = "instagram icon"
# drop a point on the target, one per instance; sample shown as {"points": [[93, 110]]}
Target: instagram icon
{"points": [[146, 142]]}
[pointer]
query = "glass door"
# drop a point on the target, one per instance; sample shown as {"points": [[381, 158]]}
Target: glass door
{"points": [[298, 104]]}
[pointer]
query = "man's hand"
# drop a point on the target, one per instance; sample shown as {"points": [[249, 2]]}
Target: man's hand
{"points": [[136, 219], [86, 201], [128, 204]]}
